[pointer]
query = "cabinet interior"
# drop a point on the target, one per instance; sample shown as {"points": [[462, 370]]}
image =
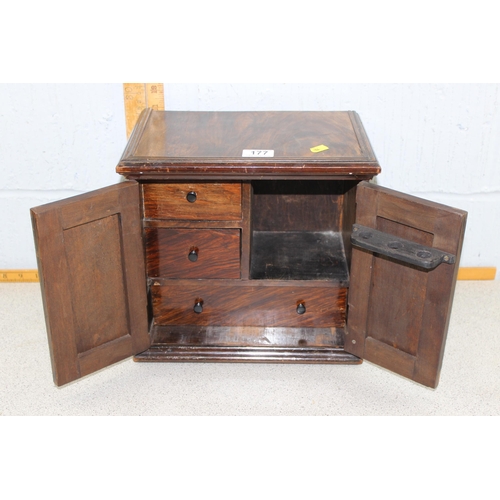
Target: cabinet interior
{"points": [[300, 229], [294, 249]]}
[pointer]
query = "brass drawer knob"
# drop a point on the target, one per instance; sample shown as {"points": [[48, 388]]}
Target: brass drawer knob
{"points": [[191, 196], [301, 308]]}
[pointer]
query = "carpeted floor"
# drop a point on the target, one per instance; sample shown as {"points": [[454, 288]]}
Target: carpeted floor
{"points": [[470, 381]]}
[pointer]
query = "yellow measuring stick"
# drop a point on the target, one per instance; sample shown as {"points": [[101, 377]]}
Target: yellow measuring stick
{"points": [[19, 276], [31, 275], [477, 273], [138, 96]]}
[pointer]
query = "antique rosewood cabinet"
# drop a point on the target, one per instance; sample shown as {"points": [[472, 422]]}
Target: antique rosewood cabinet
{"points": [[249, 237]]}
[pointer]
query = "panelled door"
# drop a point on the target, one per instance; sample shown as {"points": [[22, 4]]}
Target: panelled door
{"points": [[92, 273], [403, 273]]}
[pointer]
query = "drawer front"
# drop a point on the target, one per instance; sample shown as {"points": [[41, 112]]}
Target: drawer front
{"points": [[193, 253], [192, 201], [232, 305]]}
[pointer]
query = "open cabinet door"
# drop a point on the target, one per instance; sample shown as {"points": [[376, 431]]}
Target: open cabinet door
{"points": [[92, 274], [403, 273]]}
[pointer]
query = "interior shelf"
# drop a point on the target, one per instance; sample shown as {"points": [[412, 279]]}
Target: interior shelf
{"points": [[298, 255]]}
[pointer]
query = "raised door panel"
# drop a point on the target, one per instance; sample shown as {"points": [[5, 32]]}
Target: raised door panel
{"points": [[92, 273], [404, 266]]}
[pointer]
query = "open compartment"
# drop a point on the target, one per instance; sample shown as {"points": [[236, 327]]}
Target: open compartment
{"points": [[301, 229]]}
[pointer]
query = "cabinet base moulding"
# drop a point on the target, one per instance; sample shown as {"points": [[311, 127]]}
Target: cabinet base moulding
{"points": [[248, 354], [247, 344]]}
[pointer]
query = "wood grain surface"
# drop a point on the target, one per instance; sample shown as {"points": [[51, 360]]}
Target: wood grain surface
{"points": [[249, 344], [214, 201], [217, 250], [253, 305], [399, 313], [172, 144], [90, 260]]}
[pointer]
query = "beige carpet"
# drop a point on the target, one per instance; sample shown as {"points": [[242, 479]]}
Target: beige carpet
{"points": [[470, 381]]}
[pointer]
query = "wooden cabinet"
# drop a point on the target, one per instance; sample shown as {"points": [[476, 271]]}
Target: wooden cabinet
{"points": [[248, 237]]}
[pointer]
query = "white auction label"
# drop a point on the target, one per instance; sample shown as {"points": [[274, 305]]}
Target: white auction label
{"points": [[258, 153]]}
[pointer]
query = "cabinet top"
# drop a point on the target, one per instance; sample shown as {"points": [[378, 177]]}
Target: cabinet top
{"points": [[248, 144]]}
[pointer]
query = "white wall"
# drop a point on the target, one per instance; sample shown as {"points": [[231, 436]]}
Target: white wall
{"points": [[55, 141], [438, 141]]}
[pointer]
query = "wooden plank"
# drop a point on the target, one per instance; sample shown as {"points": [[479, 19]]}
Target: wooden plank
{"points": [[298, 255], [244, 336], [102, 318], [192, 224], [297, 205], [390, 358], [236, 354], [246, 229], [247, 344]]}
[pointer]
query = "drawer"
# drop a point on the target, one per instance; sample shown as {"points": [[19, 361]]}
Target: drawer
{"points": [[193, 253], [192, 201], [222, 304]]}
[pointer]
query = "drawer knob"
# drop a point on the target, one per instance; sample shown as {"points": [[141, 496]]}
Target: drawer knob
{"points": [[301, 308], [191, 197], [198, 307], [193, 254]]}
